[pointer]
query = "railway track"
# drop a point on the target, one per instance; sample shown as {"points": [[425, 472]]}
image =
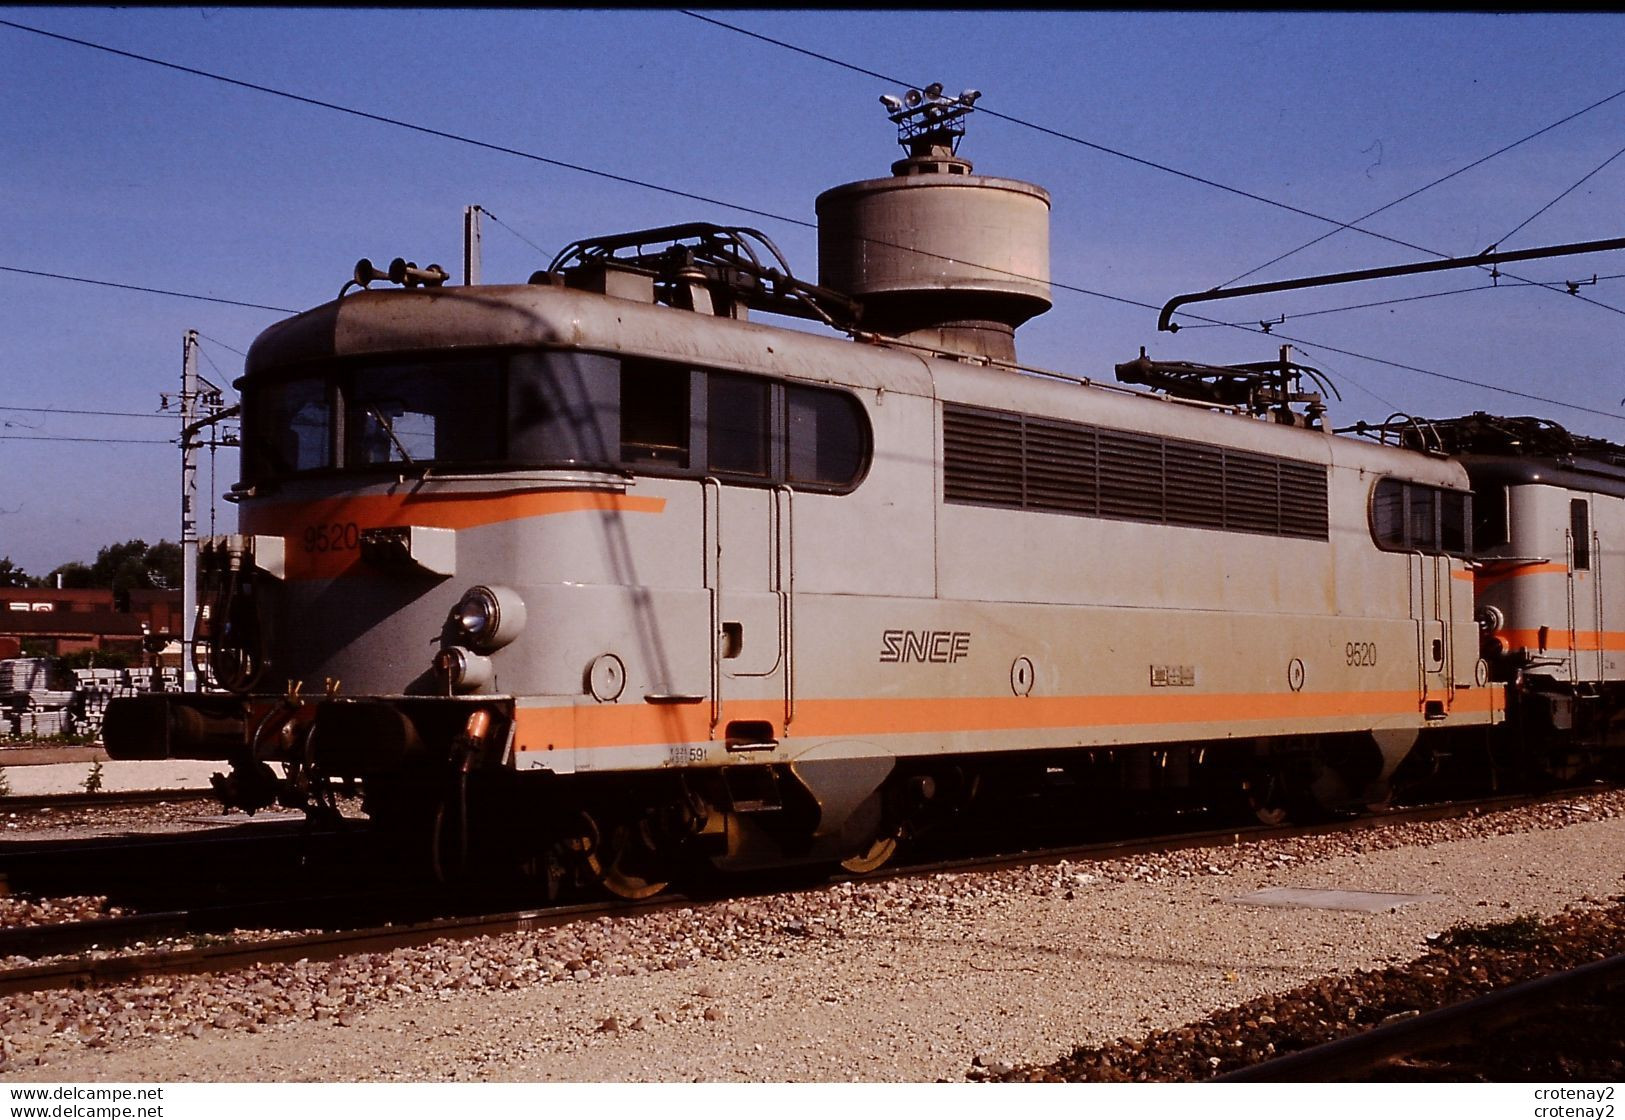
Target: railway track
{"points": [[95, 972], [1471, 1040], [1230, 833], [109, 800], [166, 870], [342, 917]]}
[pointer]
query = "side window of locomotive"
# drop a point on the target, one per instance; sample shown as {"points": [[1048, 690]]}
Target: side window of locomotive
{"points": [[827, 437], [1456, 522], [1580, 534], [1388, 514], [743, 429], [1453, 522], [1410, 517], [294, 425], [654, 414], [1490, 517], [738, 425], [1421, 519]]}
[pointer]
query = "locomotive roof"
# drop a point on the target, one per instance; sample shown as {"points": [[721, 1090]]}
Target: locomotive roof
{"points": [[1583, 475], [525, 315], [396, 322]]}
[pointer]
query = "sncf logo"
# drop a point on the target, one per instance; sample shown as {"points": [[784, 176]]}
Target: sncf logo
{"points": [[938, 646]]}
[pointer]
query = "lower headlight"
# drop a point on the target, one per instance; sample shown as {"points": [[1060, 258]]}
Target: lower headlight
{"points": [[462, 670]]}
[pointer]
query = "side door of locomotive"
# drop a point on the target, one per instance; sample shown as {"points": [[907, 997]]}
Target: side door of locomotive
{"points": [[1585, 611], [1430, 607], [1450, 539], [748, 534], [1428, 525]]}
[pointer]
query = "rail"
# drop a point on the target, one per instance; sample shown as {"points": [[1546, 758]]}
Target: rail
{"points": [[1367, 1053], [395, 933]]}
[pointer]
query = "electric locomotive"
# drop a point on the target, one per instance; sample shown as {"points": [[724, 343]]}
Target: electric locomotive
{"points": [[1549, 515], [600, 571]]}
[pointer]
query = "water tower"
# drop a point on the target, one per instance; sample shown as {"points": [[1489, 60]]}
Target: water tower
{"points": [[938, 256]]}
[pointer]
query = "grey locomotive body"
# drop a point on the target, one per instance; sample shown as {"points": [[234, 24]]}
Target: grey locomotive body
{"points": [[597, 569], [763, 575]]}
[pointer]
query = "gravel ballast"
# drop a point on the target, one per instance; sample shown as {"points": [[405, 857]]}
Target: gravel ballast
{"points": [[1580, 1041], [947, 977]]}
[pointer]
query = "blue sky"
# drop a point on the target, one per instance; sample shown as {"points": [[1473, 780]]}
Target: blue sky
{"points": [[122, 171]]}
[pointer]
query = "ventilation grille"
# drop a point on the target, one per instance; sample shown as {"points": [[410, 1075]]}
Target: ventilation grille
{"points": [[1010, 461]]}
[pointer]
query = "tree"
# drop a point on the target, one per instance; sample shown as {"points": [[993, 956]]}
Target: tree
{"points": [[120, 566], [72, 574], [13, 576], [164, 562], [135, 564]]}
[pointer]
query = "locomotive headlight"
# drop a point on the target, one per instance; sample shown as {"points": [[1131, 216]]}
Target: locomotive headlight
{"points": [[489, 617], [476, 613], [463, 670]]}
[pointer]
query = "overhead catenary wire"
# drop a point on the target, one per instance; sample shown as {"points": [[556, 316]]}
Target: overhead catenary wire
{"points": [[222, 345], [693, 196], [1405, 367], [1345, 378], [86, 412], [1203, 320], [802, 222], [1565, 193], [1306, 345], [89, 439], [1069, 137], [218, 371], [1058, 134], [545, 254], [1429, 186], [398, 123], [139, 288]]}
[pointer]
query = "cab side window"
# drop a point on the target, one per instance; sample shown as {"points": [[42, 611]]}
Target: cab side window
{"points": [[1580, 534], [827, 436], [677, 420], [1412, 517], [738, 423], [1388, 514], [1490, 517]]}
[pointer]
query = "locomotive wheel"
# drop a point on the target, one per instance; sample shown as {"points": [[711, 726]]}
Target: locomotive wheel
{"points": [[876, 856], [629, 865], [1271, 816], [1267, 800], [1380, 798]]}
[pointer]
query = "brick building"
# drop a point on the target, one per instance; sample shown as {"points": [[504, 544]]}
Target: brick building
{"points": [[58, 622]]}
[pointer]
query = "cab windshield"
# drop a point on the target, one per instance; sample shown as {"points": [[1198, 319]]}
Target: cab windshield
{"points": [[516, 410], [457, 412]]}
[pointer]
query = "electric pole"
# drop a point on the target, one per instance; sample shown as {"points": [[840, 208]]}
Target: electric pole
{"points": [[189, 448], [471, 244]]}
